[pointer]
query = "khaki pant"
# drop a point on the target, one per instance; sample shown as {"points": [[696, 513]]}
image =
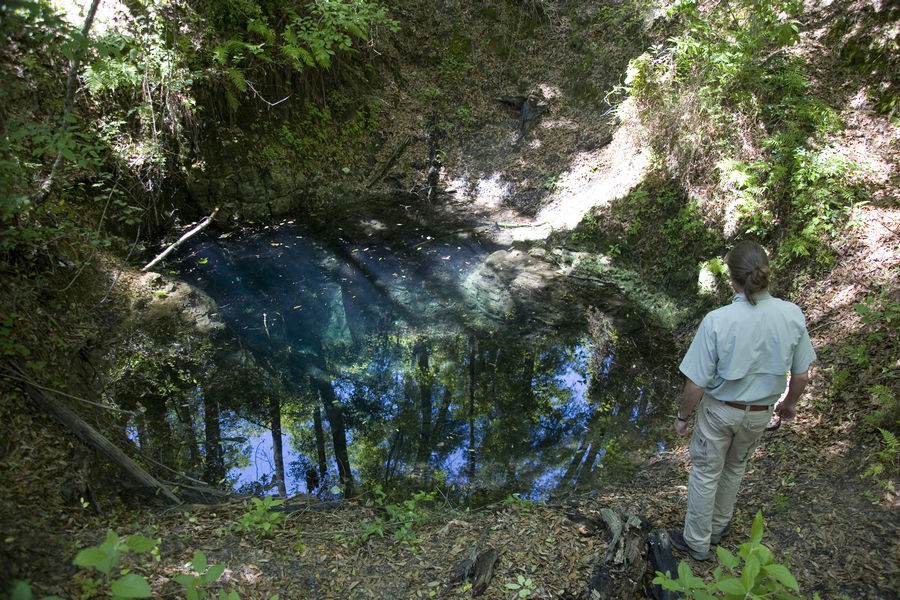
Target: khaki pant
{"points": [[724, 438]]}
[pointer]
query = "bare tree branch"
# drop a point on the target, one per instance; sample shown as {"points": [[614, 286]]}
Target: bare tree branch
{"points": [[181, 240]]}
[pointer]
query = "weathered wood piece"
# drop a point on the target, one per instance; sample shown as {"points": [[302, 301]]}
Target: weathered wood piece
{"points": [[620, 575], [463, 569], [68, 418], [483, 571]]}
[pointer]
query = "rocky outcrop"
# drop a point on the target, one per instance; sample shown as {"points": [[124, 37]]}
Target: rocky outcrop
{"points": [[167, 301]]}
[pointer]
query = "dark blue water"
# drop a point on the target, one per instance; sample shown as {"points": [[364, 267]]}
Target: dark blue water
{"points": [[432, 387]]}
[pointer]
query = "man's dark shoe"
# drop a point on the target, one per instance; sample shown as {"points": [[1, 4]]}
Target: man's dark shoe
{"points": [[717, 538], [678, 542]]}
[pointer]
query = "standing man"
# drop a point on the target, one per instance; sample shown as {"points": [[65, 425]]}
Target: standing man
{"points": [[737, 368]]}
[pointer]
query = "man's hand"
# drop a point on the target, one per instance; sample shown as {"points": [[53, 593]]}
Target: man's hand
{"points": [[787, 406], [690, 397], [787, 411]]}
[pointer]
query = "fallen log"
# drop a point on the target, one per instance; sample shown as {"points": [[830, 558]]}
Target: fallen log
{"points": [[90, 436], [181, 240], [388, 163]]}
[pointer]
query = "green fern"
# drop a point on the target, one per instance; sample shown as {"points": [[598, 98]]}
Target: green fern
{"points": [[237, 78], [262, 29], [231, 99], [893, 446], [300, 55], [234, 50]]}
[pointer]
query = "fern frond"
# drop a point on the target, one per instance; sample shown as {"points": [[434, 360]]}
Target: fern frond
{"points": [[262, 29], [890, 440], [231, 99], [237, 78]]}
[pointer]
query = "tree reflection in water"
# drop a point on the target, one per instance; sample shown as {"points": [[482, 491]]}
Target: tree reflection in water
{"points": [[378, 369]]}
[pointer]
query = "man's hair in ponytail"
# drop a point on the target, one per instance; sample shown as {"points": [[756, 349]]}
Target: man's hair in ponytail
{"points": [[748, 265]]}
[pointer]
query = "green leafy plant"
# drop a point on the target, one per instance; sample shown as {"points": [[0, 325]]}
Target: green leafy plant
{"points": [[839, 382], [105, 558], [403, 517], [859, 354], [406, 515], [261, 519], [878, 312], [760, 577], [728, 102], [524, 586], [782, 503], [196, 585], [21, 590], [517, 500], [884, 461], [657, 213], [372, 529], [300, 37], [886, 413]]}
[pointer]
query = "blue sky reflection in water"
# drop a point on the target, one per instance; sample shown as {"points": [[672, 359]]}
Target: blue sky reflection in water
{"points": [[431, 381]]}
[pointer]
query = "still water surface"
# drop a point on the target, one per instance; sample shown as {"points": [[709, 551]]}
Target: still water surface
{"points": [[416, 372]]}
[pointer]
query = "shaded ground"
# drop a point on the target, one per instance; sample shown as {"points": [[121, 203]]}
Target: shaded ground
{"points": [[838, 529], [804, 479]]}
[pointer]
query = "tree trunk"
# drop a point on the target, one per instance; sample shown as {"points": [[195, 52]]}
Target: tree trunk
{"points": [[277, 450], [620, 574], [93, 438], [320, 443], [160, 433], [338, 434], [587, 466], [470, 462], [352, 311], [214, 469], [568, 479], [442, 419], [188, 433], [424, 377], [206, 221]]}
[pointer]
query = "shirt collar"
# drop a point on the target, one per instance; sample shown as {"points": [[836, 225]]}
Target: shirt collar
{"points": [[742, 297]]}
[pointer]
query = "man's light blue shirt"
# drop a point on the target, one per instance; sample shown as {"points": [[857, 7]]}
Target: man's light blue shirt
{"points": [[743, 352]]}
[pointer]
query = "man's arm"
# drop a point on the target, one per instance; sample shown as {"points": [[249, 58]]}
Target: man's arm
{"points": [[690, 397], [787, 407]]}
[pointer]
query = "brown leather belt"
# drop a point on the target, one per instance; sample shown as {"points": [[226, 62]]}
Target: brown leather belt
{"points": [[750, 407]]}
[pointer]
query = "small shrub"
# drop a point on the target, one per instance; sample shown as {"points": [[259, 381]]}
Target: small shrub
{"points": [[105, 558], [882, 464], [196, 585], [517, 500], [403, 518], [760, 577], [261, 519], [523, 586], [21, 590]]}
